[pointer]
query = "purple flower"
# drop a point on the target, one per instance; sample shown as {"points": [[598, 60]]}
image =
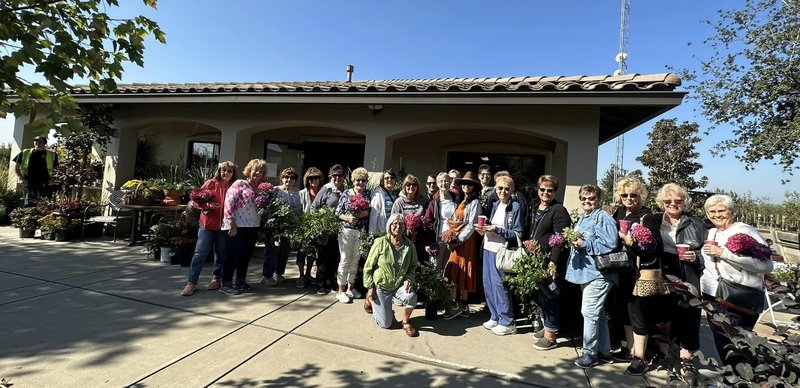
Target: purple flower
{"points": [[261, 201], [556, 240]]}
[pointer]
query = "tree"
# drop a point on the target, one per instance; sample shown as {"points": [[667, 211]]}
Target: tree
{"points": [[752, 81], [77, 166], [607, 184], [63, 40], [670, 156]]}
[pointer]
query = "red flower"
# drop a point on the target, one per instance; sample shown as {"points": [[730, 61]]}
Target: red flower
{"points": [[357, 203], [200, 195], [413, 222], [746, 245]]}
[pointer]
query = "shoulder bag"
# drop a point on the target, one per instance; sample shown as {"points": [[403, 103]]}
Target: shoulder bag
{"points": [[613, 262], [506, 257]]}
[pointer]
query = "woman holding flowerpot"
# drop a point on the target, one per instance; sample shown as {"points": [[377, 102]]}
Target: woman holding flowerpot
{"points": [[353, 210], [209, 199], [440, 209], [276, 257], [241, 222], [312, 182]]}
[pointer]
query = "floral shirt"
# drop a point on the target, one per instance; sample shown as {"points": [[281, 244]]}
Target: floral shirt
{"points": [[240, 206], [344, 208]]}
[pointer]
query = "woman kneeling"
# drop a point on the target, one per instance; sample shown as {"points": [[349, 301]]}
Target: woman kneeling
{"points": [[389, 271]]}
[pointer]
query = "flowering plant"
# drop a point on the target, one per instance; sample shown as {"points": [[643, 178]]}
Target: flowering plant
{"points": [[357, 203], [265, 193], [568, 235], [531, 246], [530, 274], [201, 195], [365, 241], [433, 250], [427, 223], [413, 223], [573, 215], [643, 237], [743, 244], [556, 240]]}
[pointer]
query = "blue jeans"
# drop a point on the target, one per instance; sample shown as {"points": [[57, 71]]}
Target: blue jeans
{"points": [[497, 296], [275, 259], [206, 240], [595, 322], [382, 304]]}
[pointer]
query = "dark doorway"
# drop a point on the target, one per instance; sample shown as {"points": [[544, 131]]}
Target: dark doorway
{"points": [[325, 155], [525, 169]]}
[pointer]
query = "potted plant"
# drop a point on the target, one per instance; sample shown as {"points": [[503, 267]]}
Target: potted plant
{"points": [[431, 283], [529, 278], [182, 249], [162, 238], [26, 219], [55, 227]]}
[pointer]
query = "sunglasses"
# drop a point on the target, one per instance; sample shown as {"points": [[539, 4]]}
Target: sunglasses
{"points": [[411, 185], [313, 178], [629, 195], [388, 178], [361, 181], [672, 201], [430, 183], [502, 188], [590, 199], [543, 190]]}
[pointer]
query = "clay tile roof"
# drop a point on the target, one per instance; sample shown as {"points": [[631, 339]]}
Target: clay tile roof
{"points": [[624, 82]]}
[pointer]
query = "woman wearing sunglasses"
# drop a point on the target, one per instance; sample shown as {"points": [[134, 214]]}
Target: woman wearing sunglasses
{"points": [[383, 199], [412, 200], [353, 221], [599, 237], [276, 257], [631, 193]]}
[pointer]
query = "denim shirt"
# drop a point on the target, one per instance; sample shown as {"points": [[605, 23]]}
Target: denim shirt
{"points": [[599, 237]]}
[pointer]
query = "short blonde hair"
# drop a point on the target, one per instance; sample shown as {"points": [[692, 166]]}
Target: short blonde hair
{"points": [[631, 183], [254, 164], [505, 180], [392, 219], [359, 173], [675, 189]]}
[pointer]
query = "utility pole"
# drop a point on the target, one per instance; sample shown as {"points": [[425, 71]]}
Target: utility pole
{"points": [[622, 67]]}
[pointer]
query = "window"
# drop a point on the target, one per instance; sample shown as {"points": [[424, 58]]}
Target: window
{"points": [[525, 169], [203, 154]]}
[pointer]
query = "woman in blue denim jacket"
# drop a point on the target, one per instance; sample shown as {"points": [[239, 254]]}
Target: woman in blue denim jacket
{"points": [[599, 237], [504, 226]]}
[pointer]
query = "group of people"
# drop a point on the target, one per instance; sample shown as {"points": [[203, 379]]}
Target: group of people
{"points": [[669, 242]]}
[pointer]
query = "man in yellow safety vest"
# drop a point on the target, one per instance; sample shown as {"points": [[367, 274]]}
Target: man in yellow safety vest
{"points": [[34, 166]]}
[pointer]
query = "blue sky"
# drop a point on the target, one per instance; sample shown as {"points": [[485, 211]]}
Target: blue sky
{"points": [[307, 40]]}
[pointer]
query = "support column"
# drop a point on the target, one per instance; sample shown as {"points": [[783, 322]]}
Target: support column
{"points": [[18, 142], [234, 146], [120, 160], [581, 165], [377, 151]]}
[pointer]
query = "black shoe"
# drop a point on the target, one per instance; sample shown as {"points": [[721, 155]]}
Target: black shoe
{"points": [[323, 291], [622, 355], [539, 334], [228, 290], [243, 287], [605, 358], [638, 367]]}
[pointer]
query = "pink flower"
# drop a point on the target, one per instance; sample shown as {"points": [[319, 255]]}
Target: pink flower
{"points": [[556, 240], [261, 201], [643, 237], [746, 245], [201, 195], [357, 203], [413, 222], [531, 246], [264, 186]]}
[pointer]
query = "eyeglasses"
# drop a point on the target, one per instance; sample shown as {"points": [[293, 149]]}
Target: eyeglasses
{"points": [[543, 190], [590, 199], [290, 177], [388, 178], [411, 185], [226, 171], [633, 195], [313, 178], [336, 176], [502, 188], [361, 181], [430, 183], [672, 201]]}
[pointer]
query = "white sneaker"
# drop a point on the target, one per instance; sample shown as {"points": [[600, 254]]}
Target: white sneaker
{"points": [[355, 293], [342, 297], [349, 294], [504, 330], [490, 324]]}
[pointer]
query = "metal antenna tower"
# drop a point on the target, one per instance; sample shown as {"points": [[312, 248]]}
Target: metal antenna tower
{"points": [[622, 67]]}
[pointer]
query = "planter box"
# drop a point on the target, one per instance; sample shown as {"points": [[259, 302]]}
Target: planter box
{"points": [[27, 233]]}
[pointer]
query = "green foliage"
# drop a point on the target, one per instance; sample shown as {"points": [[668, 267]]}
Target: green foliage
{"points": [[77, 166], [670, 156], [365, 241], [61, 41], [750, 81], [279, 219], [5, 158], [26, 218], [530, 274], [314, 229], [199, 174], [9, 200], [52, 224], [431, 282], [163, 233]]}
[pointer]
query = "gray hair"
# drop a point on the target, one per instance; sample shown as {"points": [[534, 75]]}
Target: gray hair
{"points": [[720, 199], [676, 189], [392, 219]]}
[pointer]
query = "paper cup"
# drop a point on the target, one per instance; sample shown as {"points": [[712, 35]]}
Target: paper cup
{"points": [[624, 226], [681, 248], [711, 242], [481, 220]]}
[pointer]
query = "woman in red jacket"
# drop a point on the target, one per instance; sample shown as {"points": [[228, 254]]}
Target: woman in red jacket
{"points": [[209, 235]]}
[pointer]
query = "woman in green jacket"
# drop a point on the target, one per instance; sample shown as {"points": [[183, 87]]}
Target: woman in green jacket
{"points": [[389, 271]]}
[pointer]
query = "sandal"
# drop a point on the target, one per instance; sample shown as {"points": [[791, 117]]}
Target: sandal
{"points": [[368, 306], [688, 370], [410, 330]]}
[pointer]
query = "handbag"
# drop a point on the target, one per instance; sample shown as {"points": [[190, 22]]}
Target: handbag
{"points": [[613, 262], [741, 298], [506, 257], [650, 283]]}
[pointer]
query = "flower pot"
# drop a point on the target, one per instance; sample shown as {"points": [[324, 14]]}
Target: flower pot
{"points": [[63, 236], [166, 255], [172, 193], [27, 233], [431, 310]]}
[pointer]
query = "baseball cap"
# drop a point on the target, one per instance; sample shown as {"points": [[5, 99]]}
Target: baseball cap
{"points": [[40, 138]]}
